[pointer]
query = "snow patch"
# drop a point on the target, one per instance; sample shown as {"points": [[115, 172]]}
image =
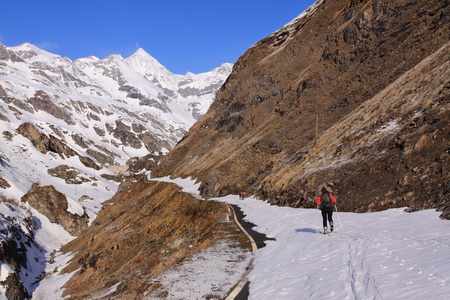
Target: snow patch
{"points": [[212, 271], [51, 287], [74, 207], [188, 185], [391, 126], [309, 11], [5, 270], [390, 254]]}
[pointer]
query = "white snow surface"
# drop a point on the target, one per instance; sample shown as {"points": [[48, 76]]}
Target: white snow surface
{"points": [[212, 271], [5, 270], [51, 286], [382, 255], [187, 184], [309, 11]]}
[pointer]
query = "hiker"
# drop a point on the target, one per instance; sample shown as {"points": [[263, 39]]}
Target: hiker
{"points": [[325, 203], [241, 195]]}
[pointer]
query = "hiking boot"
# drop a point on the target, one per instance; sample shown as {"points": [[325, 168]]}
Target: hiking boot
{"points": [[324, 230], [331, 226]]}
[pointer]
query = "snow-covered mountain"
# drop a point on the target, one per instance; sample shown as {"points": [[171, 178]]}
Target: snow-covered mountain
{"points": [[108, 110], [131, 89], [68, 127]]}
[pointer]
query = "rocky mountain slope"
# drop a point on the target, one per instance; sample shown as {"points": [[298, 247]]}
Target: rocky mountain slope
{"points": [[68, 131], [353, 95]]}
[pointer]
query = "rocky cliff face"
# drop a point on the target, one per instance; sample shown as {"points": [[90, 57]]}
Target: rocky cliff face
{"points": [[353, 95]]}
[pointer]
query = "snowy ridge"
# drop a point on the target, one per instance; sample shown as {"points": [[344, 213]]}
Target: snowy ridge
{"points": [[309, 11]]}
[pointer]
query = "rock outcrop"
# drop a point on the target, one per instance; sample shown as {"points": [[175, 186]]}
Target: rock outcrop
{"points": [[15, 289], [17, 230], [53, 204], [353, 95], [44, 144]]}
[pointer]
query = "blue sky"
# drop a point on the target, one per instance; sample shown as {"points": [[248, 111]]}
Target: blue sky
{"points": [[194, 36]]}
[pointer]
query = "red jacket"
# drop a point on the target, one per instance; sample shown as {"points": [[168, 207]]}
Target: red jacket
{"points": [[320, 199]]}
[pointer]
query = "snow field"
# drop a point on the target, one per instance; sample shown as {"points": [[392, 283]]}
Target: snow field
{"points": [[383, 255]]}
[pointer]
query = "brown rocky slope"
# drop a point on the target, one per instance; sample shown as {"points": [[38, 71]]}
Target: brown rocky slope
{"points": [[354, 96]]}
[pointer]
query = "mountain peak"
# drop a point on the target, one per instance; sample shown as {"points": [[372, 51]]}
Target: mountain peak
{"points": [[115, 57], [146, 64], [28, 50], [142, 52], [27, 46], [224, 68]]}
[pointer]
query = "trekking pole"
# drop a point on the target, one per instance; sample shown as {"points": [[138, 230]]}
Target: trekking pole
{"points": [[317, 222], [340, 223]]}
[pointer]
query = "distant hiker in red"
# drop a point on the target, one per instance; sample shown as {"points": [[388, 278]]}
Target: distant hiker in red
{"points": [[326, 202], [241, 195]]}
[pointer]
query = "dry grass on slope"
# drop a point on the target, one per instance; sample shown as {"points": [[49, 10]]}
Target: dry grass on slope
{"points": [[392, 151], [144, 230]]}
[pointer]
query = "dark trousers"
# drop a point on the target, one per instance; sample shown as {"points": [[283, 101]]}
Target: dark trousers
{"points": [[327, 213]]}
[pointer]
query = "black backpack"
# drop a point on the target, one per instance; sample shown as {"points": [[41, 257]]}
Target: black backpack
{"points": [[326, 201]]}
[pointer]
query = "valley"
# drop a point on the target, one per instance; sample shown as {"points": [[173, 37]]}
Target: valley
{"points": [[116, 174]]}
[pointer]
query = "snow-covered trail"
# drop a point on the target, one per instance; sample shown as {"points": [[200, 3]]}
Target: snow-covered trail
{"points": [[383, 255]]}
